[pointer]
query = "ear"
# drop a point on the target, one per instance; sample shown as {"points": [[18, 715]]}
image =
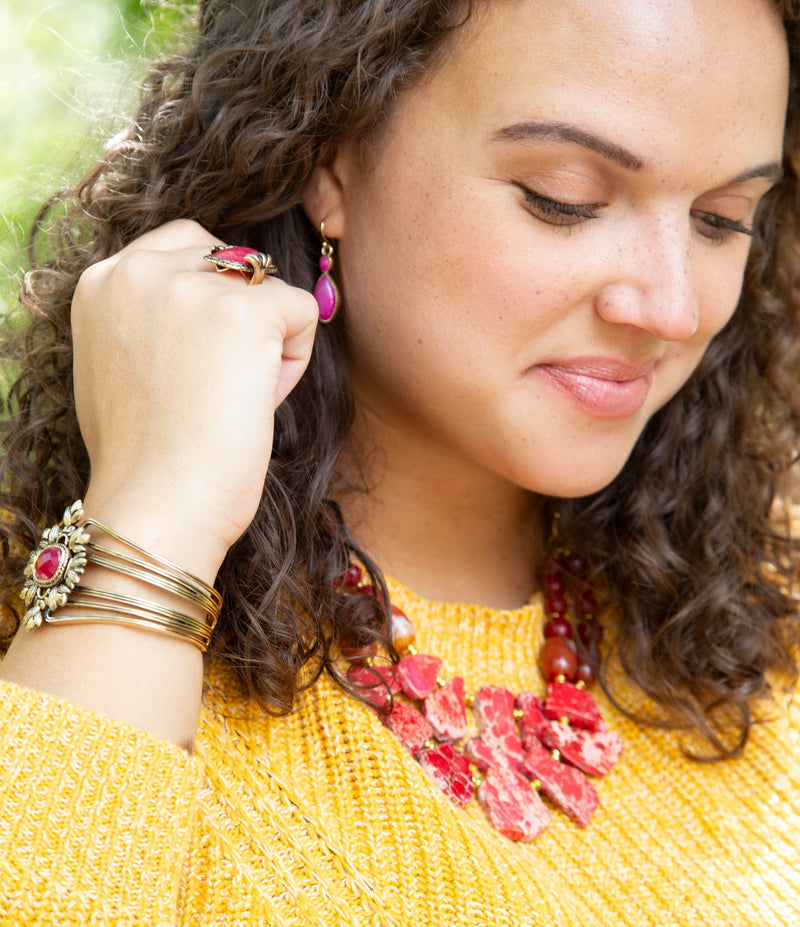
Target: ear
{"points": [[323, 196]]}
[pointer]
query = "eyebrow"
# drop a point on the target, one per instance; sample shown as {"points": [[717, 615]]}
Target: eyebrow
{"points": [[772, 171], [564, 132]]}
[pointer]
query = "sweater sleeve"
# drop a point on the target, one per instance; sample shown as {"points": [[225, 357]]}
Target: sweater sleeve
{"points": [[96, 817]]}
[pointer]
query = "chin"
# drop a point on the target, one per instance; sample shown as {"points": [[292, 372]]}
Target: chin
{"points": [[573, 479]]}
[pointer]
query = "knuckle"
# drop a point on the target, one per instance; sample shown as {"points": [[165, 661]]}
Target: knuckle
{"points": [[187, 231], [132, 268], [89, 286]]}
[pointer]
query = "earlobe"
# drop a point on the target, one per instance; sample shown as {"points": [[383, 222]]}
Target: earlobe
{"points": [[323, 198]]}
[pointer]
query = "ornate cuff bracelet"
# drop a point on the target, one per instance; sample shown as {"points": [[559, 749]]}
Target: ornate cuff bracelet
{"points": [[57, 564]]}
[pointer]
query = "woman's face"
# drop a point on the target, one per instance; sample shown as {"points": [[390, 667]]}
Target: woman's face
{"points": [[538, 249]]}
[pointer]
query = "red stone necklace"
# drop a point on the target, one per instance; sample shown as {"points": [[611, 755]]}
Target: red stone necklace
{"points": [[526, 746]]}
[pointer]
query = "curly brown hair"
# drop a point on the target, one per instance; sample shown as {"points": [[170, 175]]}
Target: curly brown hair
{"points": [[228, 134]]}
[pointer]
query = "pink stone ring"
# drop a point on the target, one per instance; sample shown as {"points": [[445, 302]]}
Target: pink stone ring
{"points": [[251, 264]]}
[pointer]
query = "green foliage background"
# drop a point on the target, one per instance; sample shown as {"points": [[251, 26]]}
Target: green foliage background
{"points": [[69, 76]]}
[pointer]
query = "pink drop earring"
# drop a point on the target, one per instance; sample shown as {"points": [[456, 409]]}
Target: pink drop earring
{"points": [[326, 292]]}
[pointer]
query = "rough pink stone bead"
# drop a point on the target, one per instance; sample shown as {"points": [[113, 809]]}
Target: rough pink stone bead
{"points": [[565, 786], [374, 683], [564, 700], [445, 710], [494, 707], [409, 726], [533, 721], [494, 711], [486, 755], [594, 753], [418, 674], [450, 772], [512, 805]]}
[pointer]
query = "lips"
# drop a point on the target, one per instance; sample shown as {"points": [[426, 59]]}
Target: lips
{"points": [[600, 386]]}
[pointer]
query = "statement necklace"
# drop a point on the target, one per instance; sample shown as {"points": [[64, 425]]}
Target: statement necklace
{"points": [[519, 747]]}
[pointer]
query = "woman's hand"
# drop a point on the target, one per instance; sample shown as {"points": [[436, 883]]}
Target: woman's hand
{"points": [[178, 372]]}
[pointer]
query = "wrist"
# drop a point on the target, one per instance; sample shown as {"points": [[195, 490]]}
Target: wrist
{"points": [[170, 531]]}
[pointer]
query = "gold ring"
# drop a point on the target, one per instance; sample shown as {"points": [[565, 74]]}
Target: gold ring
{"points": [[251, 264]]}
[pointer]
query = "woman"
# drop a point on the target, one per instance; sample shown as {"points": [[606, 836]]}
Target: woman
{"points": [[565, 238]]}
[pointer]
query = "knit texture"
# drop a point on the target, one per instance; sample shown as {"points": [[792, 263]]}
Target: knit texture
{"points": [[323, 818]]}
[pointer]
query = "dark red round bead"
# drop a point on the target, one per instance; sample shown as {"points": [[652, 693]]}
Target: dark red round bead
{"points": [[587, 603], [556, 605], [552, 567], [351, 577], [558, 626], [590, 632], [558, 658], [584, 673], [357, 653], [554, 584], [573, 564]]}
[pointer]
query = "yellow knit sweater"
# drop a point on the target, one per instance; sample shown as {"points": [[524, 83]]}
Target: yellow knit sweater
{"points": [[323, 818]]}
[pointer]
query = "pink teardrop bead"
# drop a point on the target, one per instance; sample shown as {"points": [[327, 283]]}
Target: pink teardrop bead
{"points": [[325, 263], [327, 297]]}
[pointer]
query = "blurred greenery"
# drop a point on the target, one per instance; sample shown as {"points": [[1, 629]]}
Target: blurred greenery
{"points": [[69, 74]]}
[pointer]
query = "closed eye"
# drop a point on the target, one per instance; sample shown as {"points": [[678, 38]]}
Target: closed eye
{"points": [[717, 228], [558, 213]]}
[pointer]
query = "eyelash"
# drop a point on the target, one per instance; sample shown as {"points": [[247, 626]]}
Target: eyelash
{"points": [[719, 228], [716, 228], [560, 214]]}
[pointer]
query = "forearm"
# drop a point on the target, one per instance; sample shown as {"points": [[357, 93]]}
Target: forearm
{"points": [[148, 679]]}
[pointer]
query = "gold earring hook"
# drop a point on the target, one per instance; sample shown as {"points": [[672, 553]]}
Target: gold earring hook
{"points": [[327, 247]]}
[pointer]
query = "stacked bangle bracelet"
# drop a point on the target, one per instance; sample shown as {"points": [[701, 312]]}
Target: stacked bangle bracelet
{"points": [[57, 564]]}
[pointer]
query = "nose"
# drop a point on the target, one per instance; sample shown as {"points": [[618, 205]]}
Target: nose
{"points": [[651, 284]]}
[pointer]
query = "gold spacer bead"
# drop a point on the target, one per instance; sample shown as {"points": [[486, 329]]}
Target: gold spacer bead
{"points": [[476, 780], [411, 650], [429, 744], [537, 784], [560, 678], [441, 682], [564, 720], [580, 684], [469, 699], [556, 754], [519, 714]]}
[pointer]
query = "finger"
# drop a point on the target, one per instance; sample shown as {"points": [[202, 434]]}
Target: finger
{"points": [[175, 235]]}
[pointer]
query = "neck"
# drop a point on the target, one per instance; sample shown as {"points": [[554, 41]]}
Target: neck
{"points": [[448, 529]]}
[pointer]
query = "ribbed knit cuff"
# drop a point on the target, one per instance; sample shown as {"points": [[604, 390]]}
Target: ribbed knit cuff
{"points": [[95, 816]]}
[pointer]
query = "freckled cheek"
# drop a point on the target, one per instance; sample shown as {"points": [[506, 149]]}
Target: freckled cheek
{"points": [[717, 303]]}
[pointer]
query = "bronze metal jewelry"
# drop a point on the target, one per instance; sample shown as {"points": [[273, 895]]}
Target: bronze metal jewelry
{"points": [[251, 264], [56, 566]]}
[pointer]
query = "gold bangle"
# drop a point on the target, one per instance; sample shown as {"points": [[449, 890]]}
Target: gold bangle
{"points": [[130, 616], [148, 614], [56, 566], [187, 577], [120, 563]]}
